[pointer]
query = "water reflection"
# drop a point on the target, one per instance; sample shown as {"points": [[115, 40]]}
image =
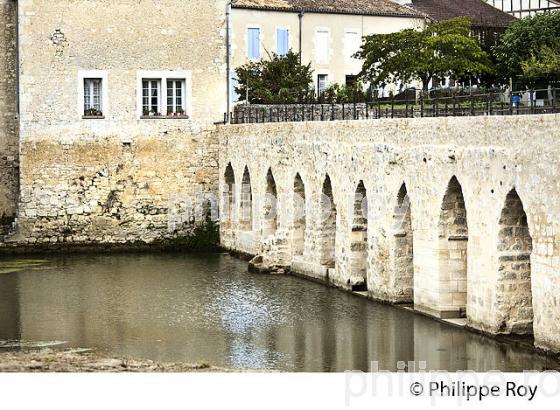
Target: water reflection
{"points": [[207, 307]]}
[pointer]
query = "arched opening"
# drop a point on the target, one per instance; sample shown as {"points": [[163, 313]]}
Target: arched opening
{"points": [[300, 220], [228, 195], [328, 225], [359, 241], [270, 221], [453, 241], [514, 297], [246, 211], [403, 250]]}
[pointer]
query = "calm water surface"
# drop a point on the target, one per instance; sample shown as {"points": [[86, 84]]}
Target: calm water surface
{"points": [[209, 308]]}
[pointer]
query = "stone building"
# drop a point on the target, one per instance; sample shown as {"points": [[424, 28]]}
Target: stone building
{"points": [[106, 91], [326, 33]]}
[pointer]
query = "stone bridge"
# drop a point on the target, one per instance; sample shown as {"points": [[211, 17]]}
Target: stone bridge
{"points": [[459, 216]]}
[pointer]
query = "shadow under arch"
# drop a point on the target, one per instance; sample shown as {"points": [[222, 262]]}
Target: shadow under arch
{"points": [[359, 241], [514, 298], [246, 202], [452, 253], [300, 217], [327, 225]]}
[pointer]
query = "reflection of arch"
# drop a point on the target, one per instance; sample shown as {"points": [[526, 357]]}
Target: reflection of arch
{"points": [[228, 194], [246, 214], [270, 220], [514, 298], [402, 251], [328, 225], [359, 240], [300, 222], [453, 240]]}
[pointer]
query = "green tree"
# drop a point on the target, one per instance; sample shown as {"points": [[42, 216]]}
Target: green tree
{"points": [[442, 49], [279, 79], [529, 50]]}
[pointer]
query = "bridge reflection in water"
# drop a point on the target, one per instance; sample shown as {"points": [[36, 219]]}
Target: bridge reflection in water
{"points": [[207, 307]]}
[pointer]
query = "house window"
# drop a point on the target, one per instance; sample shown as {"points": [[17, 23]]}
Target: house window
{"points": [[151, 92], [322, 82], [164, 94], [93, 97], [322, 46], [175, 97], [351, 80], [254, 43], [282, 38]]}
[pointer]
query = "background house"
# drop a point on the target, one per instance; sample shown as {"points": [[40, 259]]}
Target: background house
{"points": [[326, 32], [488, 22], [523, 8]]}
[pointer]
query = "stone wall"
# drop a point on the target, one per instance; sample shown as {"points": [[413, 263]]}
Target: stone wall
{"points": [[8, 113], [461, 263], [104, 191]]}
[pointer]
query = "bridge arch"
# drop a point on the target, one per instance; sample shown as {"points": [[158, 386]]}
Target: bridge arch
{"points": [[246, 202], [270, 217], [402, 248], [228, 194], [452, 252], [327, 223], [514, 301], [299, 216], [359, 240]]}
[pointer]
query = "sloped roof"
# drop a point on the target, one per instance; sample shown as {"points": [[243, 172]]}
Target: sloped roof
{"points": [[482, 13], [359, 7]]}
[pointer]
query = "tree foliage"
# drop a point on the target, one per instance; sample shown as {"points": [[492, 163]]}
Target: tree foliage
{"points": [[277, 80], [529, 50], [442, 49]]}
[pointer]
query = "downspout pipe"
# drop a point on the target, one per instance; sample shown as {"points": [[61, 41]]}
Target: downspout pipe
{"points": [[228, 57], [300, 15]]}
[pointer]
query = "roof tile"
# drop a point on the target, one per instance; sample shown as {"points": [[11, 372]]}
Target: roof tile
{"points": [[373, 7]]}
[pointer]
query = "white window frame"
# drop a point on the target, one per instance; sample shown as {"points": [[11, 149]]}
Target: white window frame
{"points": [[163, 76], [183, 106], [93, 74], [327, 83]]}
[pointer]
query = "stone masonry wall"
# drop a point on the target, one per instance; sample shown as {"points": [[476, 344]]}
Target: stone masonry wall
{"points": [[8, 112], [489, 157], [99, 190]]}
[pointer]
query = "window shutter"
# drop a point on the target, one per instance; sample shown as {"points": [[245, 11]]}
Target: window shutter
{"points": [[254, 43], [282, 46]]}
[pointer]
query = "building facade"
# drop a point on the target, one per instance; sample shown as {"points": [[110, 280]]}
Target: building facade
{"points": [[327, 33], [524, 8], [125, 104]]}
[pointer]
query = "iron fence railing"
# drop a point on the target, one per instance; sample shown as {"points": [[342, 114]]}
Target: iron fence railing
{"points": [[544, 101]]}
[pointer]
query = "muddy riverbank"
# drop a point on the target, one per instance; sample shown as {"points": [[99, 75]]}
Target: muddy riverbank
{"points": [[84, 360]]}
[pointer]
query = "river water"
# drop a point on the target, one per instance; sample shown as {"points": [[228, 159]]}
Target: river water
{"points": [[208, 308]]}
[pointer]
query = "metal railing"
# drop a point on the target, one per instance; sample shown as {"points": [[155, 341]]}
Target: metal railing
{"points": [[544, 101]]}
